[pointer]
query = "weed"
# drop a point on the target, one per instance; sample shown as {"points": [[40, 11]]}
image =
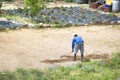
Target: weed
{"points": [[2, 28], [114, 62], [69, 0], [6, 75], [57, 24], [97, 70], [111, 14], [38, 26], [49, 0], [66, 71]]}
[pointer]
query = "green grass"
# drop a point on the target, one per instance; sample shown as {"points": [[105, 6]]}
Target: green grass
{"points": [[16, 17], [108, 69], [118, 26], [2, 29]]}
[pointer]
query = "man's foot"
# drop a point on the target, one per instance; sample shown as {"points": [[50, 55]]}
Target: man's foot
{"points": [[74, 57], [82, 59]]}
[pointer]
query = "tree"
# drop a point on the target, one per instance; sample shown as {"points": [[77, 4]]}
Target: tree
{"points": [[34, 6]]}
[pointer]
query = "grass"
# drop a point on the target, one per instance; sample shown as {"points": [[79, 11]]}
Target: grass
{"points": [[107, 69], [2, 29], [16, 17], [118, 26]]}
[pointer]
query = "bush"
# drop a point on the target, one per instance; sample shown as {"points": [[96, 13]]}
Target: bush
{"points": [[5, 75], [57, 24], [34, 6], [2, 29], [69, 0], [114, 62], [49, 0]]}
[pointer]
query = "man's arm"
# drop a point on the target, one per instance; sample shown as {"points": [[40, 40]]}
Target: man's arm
{"points": [[73, 45]]}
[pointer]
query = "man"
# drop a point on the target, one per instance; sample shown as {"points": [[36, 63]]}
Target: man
{"points": [[77, 44]]}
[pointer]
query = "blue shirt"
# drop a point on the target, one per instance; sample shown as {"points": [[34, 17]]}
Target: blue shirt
{"points": [[77, 40]]}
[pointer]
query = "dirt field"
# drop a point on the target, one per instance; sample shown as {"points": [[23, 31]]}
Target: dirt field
{"points": [[30, 48]]}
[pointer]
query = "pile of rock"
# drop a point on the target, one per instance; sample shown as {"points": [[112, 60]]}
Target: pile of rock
{"points": [[11, 24], [62, 16], [74, 15]]}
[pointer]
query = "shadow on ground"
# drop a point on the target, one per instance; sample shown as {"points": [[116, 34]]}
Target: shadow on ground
{"points": [[70, 58]]}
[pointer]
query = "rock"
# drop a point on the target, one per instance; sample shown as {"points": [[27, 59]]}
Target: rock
{"points": [[18, 24], [40, 24], [118, 22], [47, 25], [113, 22], [44, 25], [86, 24], [72, 15], [30, 25], [107, 21], [3, 19], [5, 23]]}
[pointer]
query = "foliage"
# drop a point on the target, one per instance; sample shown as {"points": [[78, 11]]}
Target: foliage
{"points": [[69, 0], [38, 26], [6, 75], [34, 6], [2, 29], [114, 62], [82, 71], [49, 0], [117, 26], [57, 24], [32, 74], [16, 17]]}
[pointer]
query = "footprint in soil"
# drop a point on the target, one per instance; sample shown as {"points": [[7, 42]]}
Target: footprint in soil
{"points": [[70, 58]]}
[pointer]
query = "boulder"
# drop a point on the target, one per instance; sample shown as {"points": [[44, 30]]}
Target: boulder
{"points": [[44, 25], [5, 23]]}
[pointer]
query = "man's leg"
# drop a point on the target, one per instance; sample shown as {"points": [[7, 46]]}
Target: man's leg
{"points": [[74, 57], [82, 51], [75, 51]]}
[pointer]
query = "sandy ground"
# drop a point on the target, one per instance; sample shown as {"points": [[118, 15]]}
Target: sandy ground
{"points": [[30, 48]]}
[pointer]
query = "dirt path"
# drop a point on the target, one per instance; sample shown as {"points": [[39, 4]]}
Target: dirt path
{"points": [[27, 48]]}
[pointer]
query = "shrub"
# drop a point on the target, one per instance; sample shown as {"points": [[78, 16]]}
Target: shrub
{"points": [[49, 0], [114, 62], [34, 6], [5, 75], [38, 26], [69, 0], [2, 28], [57, 24]]}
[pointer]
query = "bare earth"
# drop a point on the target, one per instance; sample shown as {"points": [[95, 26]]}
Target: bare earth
{"points": [[40, 49], [30, 48]]}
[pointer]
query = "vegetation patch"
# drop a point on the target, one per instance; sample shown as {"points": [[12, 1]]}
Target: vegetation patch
{"points": [[96, 70]]}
